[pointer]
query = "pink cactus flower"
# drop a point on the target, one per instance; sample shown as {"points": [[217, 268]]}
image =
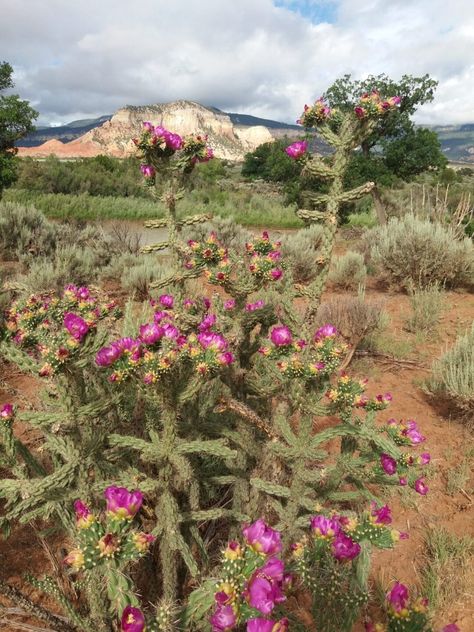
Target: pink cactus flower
{"points": [[121, 503], [132, 620], [421, 487], [264, 589], [167, 301], [344, 547], [359, 112], [229, 304], [388, 463], [276, 273], [75, 325], [147, 126], [209, 339], [296, 150], [226, 358], [281, 336], [252, 307], [451, 627], [107, 355], [147, 171], [84, 516], [6, 412], [151, 333], [382, 515], [424, 458], [325, 527], [262, 538], [398, 597], [223, 619], [326, 331], [207, 322]]}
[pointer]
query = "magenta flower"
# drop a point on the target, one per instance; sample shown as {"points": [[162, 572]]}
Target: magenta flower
{"points": [[413, 433], [83, 293], [209, 339], [382, 515], [107, 355], [451, 627], [6, 412], [324, 527], [395, 100], [132, 620], [207, 322], [389, 465], [148, 171], [296, 150], [403, 481], [276, 273], [170, 331], [398, 597], [229, 304], [226, 358], [160, 131], [75, 325], [251, 307], [147, 126], [359, 112], [326, 331], [84, 517], [262, 538], [424, 458], [223, 619], [344, 547], [167, 301], [264, 589], [151, 333], [121, 503], [173, 141], [267, 625], [421, 487], [281, 336]]}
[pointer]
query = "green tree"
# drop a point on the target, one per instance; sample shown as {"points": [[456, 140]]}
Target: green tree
{"points": [[16, 120], [416, 151], [396, 127], [270, 162]]}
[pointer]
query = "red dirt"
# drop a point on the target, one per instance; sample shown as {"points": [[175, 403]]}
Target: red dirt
{"points": [[448, 440]]}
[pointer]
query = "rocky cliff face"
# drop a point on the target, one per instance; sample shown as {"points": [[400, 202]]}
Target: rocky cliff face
{"points": [[114, 137]]}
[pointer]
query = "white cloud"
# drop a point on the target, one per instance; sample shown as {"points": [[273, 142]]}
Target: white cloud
{"points": [[80, 58]]}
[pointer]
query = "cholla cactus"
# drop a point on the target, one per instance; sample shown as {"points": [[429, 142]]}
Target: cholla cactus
{"points": [[406, 614], [343, 132]]}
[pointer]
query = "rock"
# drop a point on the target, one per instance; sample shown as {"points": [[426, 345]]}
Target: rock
{"points": [[114, 137]]}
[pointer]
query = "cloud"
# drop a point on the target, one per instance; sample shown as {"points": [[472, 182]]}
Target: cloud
{"points": [[82, 58]]}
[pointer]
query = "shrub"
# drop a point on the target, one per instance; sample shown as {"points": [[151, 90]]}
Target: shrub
{"points": [[301, 248], [348, 271], [69, 265], [231, 234], [453, 374], [353, 316], [412, 251], [137, 278], [427, 305], [24, 229]]}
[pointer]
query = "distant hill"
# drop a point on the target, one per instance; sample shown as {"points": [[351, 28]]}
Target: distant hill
{"points": [[457, 141], [75, 129]]}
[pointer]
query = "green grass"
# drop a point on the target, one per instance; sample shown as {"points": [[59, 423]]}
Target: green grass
{"points": [[246, 207], [444, 567]]}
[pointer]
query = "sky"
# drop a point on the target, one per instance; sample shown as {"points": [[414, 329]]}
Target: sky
{"points": [[77, 59]]}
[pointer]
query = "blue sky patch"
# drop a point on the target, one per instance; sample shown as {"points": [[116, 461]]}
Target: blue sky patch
{"points": [[313, 10]]}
